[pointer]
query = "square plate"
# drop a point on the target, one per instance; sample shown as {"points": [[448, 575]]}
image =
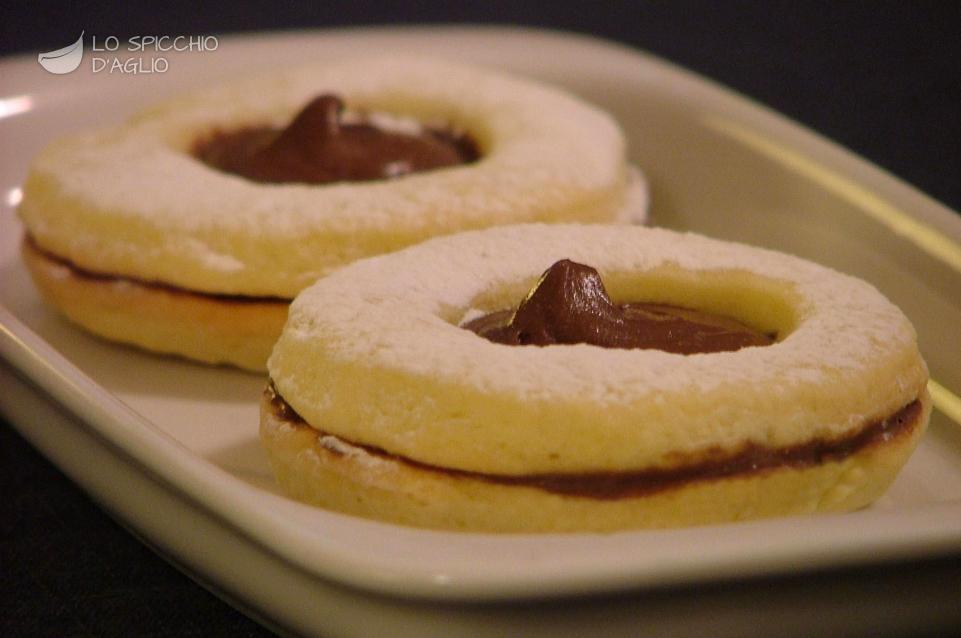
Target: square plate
{"points": [[171, 448]]}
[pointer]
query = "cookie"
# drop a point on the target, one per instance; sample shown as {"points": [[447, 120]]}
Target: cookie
{"points": [[385, 402], [162, 202]]}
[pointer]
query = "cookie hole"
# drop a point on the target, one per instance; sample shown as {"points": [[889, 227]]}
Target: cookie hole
{"points": [[325, 144], [664, 309]]}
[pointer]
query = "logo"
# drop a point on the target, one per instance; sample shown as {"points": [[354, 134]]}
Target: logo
{"points": [[140, 54], [63, 60]]}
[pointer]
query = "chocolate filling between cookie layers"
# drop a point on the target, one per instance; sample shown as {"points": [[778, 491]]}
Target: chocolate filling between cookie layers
{"points": [[320, 147], [712, 464], [107, 278]]}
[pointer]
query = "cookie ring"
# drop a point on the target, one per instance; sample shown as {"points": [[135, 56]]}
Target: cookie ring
{"points": [[385, 373], [133, 202]]}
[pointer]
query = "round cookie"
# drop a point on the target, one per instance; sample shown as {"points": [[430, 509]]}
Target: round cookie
{"points": [[134, 203], [387, 407]]}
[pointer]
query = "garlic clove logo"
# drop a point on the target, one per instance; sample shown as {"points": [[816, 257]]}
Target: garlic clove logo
{"points": [[63, 60]]}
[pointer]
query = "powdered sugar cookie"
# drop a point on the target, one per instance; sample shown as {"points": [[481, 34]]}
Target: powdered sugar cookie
{"points": [[256, 188], [686, 381]]}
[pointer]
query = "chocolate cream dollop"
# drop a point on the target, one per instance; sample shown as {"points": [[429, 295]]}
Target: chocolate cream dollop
{"points": [[319, 147], [569, 305]]}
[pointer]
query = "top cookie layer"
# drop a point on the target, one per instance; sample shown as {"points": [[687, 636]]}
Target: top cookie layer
{"points": [[374, 354], [132, 200]]}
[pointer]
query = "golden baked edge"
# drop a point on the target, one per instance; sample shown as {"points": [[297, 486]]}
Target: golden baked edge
{"points": [[158, 319], [322, 470]]}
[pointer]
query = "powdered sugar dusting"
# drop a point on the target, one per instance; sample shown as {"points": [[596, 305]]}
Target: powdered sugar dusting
{"points": [[343, 448], [637, 199]]}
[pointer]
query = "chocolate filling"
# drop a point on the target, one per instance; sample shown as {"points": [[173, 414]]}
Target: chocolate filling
{"points": [[569, 305], [318, 147], [89, 275], [749, 459]]}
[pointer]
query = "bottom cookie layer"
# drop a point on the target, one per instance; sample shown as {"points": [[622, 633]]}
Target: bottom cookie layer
{"points": [[324, 470], [207, 328]]}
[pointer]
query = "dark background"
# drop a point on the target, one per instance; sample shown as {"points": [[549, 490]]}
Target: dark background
{"points": [[882, 78]]}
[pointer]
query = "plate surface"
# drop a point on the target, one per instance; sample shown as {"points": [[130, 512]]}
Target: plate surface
{"points": [[171, 448]]}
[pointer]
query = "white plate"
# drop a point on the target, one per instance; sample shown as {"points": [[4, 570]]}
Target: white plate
{"points": [[171, 447]]}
